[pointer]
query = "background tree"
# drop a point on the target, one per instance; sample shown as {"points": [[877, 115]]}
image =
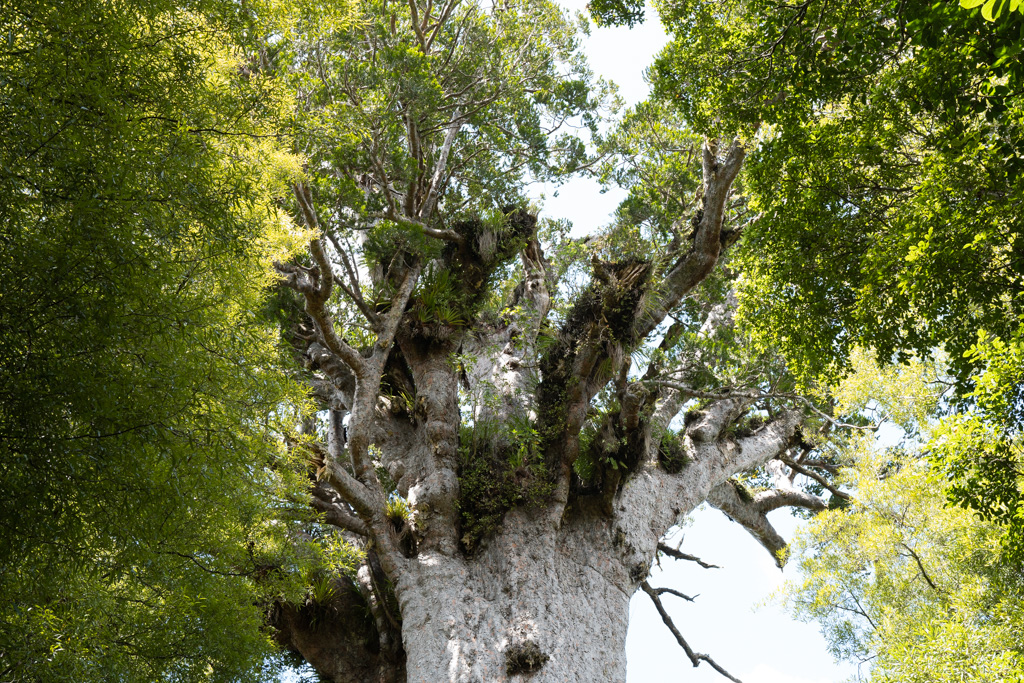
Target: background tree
{"points": [[907, 586], [138, 382], [882, 189]]}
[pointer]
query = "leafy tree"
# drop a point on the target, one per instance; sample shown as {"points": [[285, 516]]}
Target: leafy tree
{"points": [[900, 582], [507, 419], [979, 449], [992, 9], [138, 389], [883, 171]]}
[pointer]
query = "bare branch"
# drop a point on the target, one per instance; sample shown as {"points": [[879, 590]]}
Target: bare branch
{"points": [[695, 657], [690, 392], [920, 566], [672, 591], [816, 477], [447, 235], [679, 555]]}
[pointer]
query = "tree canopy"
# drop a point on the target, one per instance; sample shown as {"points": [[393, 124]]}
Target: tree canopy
{"points": [[878, 203], [902, 583]]}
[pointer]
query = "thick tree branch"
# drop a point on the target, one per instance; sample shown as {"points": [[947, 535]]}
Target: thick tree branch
{"points": [[695, 265], [389, 324], [741, 508], [316, 298], [441, 165], [708, 424], [766, 501], [335, 515]]}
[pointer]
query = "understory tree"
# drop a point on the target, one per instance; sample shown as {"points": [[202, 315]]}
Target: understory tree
{"points": [[138, 389], [510, 419], [910, 588]]}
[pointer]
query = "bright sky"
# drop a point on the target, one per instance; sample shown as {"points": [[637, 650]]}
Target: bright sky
{"points": [[730, 620]]}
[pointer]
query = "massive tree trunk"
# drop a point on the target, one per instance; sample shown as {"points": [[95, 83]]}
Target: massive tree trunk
{"points": [[549, 596], [551, 602], [524, 541]]}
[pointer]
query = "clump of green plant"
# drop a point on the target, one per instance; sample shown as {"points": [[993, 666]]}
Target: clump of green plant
{"points": [[745, 494], [585, 466], [672, 453], [400, 516], [496, 474], [747, 425], [438, 300], [387, 241], [397, 511], [524, 658]]}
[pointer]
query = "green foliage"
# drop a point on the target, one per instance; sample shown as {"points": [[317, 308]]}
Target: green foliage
{"points": [[917, 590], [992, 9], [672, 453], [884, 170], [500, 468], [381, 77], [657, 157], [617, 12], [979, 449], [909, 396], [137, 395], [884, 176], [914, 586]]}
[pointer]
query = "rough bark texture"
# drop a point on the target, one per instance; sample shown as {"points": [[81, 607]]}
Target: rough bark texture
{"points": [[551, 604]]}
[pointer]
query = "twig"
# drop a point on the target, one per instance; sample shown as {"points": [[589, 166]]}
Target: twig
{"points": [[816, 477], [673, 591], [921, 567]]}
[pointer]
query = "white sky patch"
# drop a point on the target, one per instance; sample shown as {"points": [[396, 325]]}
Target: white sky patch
{"points": [[766, 674], [731, 618]]}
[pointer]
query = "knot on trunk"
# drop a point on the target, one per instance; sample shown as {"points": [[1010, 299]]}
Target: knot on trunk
{"points": [[524, 658]]}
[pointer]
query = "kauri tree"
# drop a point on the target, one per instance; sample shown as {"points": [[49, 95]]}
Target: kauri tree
{"points": [[509, 419]]}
